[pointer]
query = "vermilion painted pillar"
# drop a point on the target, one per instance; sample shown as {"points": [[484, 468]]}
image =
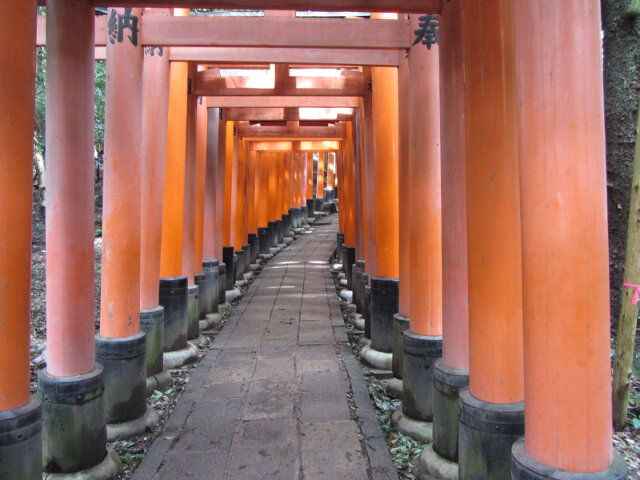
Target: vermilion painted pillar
{"points": [[173, 284], [423, 340], [20, 457], [210, 259], [341, 211], [366, 114], [564, 243], [228, 179], [121, 346], [494, 250], [220, 183], [452, 372], [359, 191], [320, 175], [310, 176], [155, 107], [239, 207], [384, 285], [70, 233], [401, 318], [200, 177], [252, 224]]}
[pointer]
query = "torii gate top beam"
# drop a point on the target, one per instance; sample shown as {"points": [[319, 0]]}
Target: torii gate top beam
{"points": [[408, 6]]}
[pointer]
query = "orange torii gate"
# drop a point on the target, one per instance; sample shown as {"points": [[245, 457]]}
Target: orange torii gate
{"points": [[523, 277]]}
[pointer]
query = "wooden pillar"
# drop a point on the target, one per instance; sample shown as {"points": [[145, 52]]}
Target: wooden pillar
{"points": [[366, 114], [220, 187], [341, 211], [320, 175], [252, 223], [21, 450], [228, 179], [239, 200], [453, 370], [210, 229], [155, 107], [310, 176], [70, 193], [564, 237], [17, 44], [262, 189], [359, 189], [173, 209], [423, 343], [200, 178], [494, 249]]}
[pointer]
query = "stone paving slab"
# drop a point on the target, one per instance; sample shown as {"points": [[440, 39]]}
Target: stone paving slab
{"points": [[279, 395]]}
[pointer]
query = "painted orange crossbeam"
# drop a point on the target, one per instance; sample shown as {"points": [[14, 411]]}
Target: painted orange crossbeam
{"points": [[17, 29]]}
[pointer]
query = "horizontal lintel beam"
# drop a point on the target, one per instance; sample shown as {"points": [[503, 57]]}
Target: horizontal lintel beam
{"points": [[283, 102]]}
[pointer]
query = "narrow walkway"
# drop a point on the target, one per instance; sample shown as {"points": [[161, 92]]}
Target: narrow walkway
{"points": [[280, 395]]}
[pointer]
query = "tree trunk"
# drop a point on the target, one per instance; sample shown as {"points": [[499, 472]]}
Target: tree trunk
{"points": [[38, 165], [622, 84]]}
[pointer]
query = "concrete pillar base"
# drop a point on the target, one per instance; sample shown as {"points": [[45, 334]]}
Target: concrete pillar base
{"points": [[364, 341], [193, 313], [179, 358], [305, 215], [248, 277], [265, 257], [222, 282], [376, 359], [159, 381], [105, 470], [174, 299], [400, 325], [416, 429], [384, 304], [346, 295], [286, 224], [233, 294], [273, 234], [212, 320], [255, 267], [351, 308], [526, 468], [133, 428], [358, 322], [431, 466], [210, 292], [288, 240], [419, 357], [337, 267], [227, 258], [487, 433], [359, 284], [199, 340], [447, 385], [280, 230], [343, 283], [125, 386], [394, 388], [74, 433], [152, 324], [21, 442], [200, 279]]}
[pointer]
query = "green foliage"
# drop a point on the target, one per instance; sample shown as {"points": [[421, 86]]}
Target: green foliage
{"points": [[101, 84]]}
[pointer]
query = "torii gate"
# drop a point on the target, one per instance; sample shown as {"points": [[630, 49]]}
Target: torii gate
{"points": [[533, 189]]}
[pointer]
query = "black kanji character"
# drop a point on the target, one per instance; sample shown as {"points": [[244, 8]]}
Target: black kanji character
{"points": [[428, 31]]}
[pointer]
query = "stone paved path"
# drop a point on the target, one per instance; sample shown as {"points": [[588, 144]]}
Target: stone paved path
{"points": [[280, 395]]}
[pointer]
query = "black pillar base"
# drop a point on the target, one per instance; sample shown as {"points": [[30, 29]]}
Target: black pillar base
{"points": [[296, 220], [305, 215], [273, 235], [200, 279], [349, 261], [366, 313], [358, 286], [384, 304], [253, 247], [419, 357], [125, 379], [152, 324], [280, 230], [240, 256], [400, 324], [487, 433], [210, 269], [286, 224], [174, 299], [227, 258], [222, 283], [447, 385], [310, 208], [246, 261], [523, 467], [74, 432], [340, 249], [264, 241], [193, 317], [21, 442], [319, 205]]}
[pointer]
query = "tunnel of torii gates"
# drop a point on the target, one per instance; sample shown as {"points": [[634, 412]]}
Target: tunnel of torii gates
{"points": [[468, 144]]}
